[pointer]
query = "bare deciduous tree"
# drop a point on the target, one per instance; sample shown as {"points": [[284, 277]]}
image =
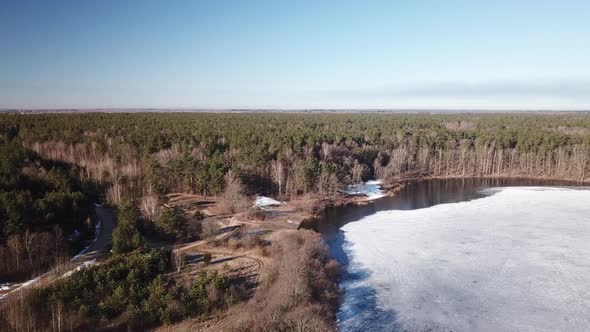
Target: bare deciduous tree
{"points": [[14, 245], [209, 227], [150, 207], [233, 199], [328, 184], [358, 172], [178, 260], [278, 173], [581, 155], [28, 239]]}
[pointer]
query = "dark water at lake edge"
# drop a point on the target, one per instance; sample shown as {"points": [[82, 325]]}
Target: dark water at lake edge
{"points": [[361, 302], [423, 194]]}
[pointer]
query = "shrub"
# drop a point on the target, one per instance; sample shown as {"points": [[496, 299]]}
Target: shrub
{"points": [[171, 225], [207, 258], [209, 228]]}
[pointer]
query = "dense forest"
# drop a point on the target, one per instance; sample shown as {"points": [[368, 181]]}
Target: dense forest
{"points": [[293, 154], [44, 211], [52, 166]]}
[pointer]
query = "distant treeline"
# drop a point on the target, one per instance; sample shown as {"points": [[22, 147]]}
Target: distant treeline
{"points": [[293, 154]]}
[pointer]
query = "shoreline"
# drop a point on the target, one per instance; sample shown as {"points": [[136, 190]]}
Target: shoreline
{"points": [[392, 188], [382, 233], [507, 177]]}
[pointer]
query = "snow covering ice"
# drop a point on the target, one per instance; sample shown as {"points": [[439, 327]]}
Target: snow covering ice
{"points": [[371, 189], [262, 202], [517, 260]]}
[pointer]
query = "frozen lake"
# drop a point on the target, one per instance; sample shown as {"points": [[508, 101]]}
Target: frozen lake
{"points": [[515, 259]]}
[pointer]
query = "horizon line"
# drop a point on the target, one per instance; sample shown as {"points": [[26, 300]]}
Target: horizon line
{"points": [[253, 110]]}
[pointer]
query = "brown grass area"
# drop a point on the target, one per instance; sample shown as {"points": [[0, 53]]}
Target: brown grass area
{"points": [[191, 203], [286, 277], [291, 287], [298, 290]]}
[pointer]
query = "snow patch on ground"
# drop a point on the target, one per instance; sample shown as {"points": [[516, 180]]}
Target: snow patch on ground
{"points": [[84, 265], [29, 283], [371, 189], [96, 233], [16, 287], [518, 260], [263, 202]]}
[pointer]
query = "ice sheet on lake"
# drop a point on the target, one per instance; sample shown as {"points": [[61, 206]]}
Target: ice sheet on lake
{"points": [[371, 189], [518, 260]]}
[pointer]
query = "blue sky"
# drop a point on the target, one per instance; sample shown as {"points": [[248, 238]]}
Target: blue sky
{"points": [[295, 54]]}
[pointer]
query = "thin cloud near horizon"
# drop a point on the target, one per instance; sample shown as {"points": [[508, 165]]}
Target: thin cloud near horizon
{"points": [[571, 89]]}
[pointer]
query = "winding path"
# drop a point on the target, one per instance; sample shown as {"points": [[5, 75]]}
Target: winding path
{"points": [[108, 219]]}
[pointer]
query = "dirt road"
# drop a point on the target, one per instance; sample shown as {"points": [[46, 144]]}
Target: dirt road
{"points": [[108, 221], [107, 218]]}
